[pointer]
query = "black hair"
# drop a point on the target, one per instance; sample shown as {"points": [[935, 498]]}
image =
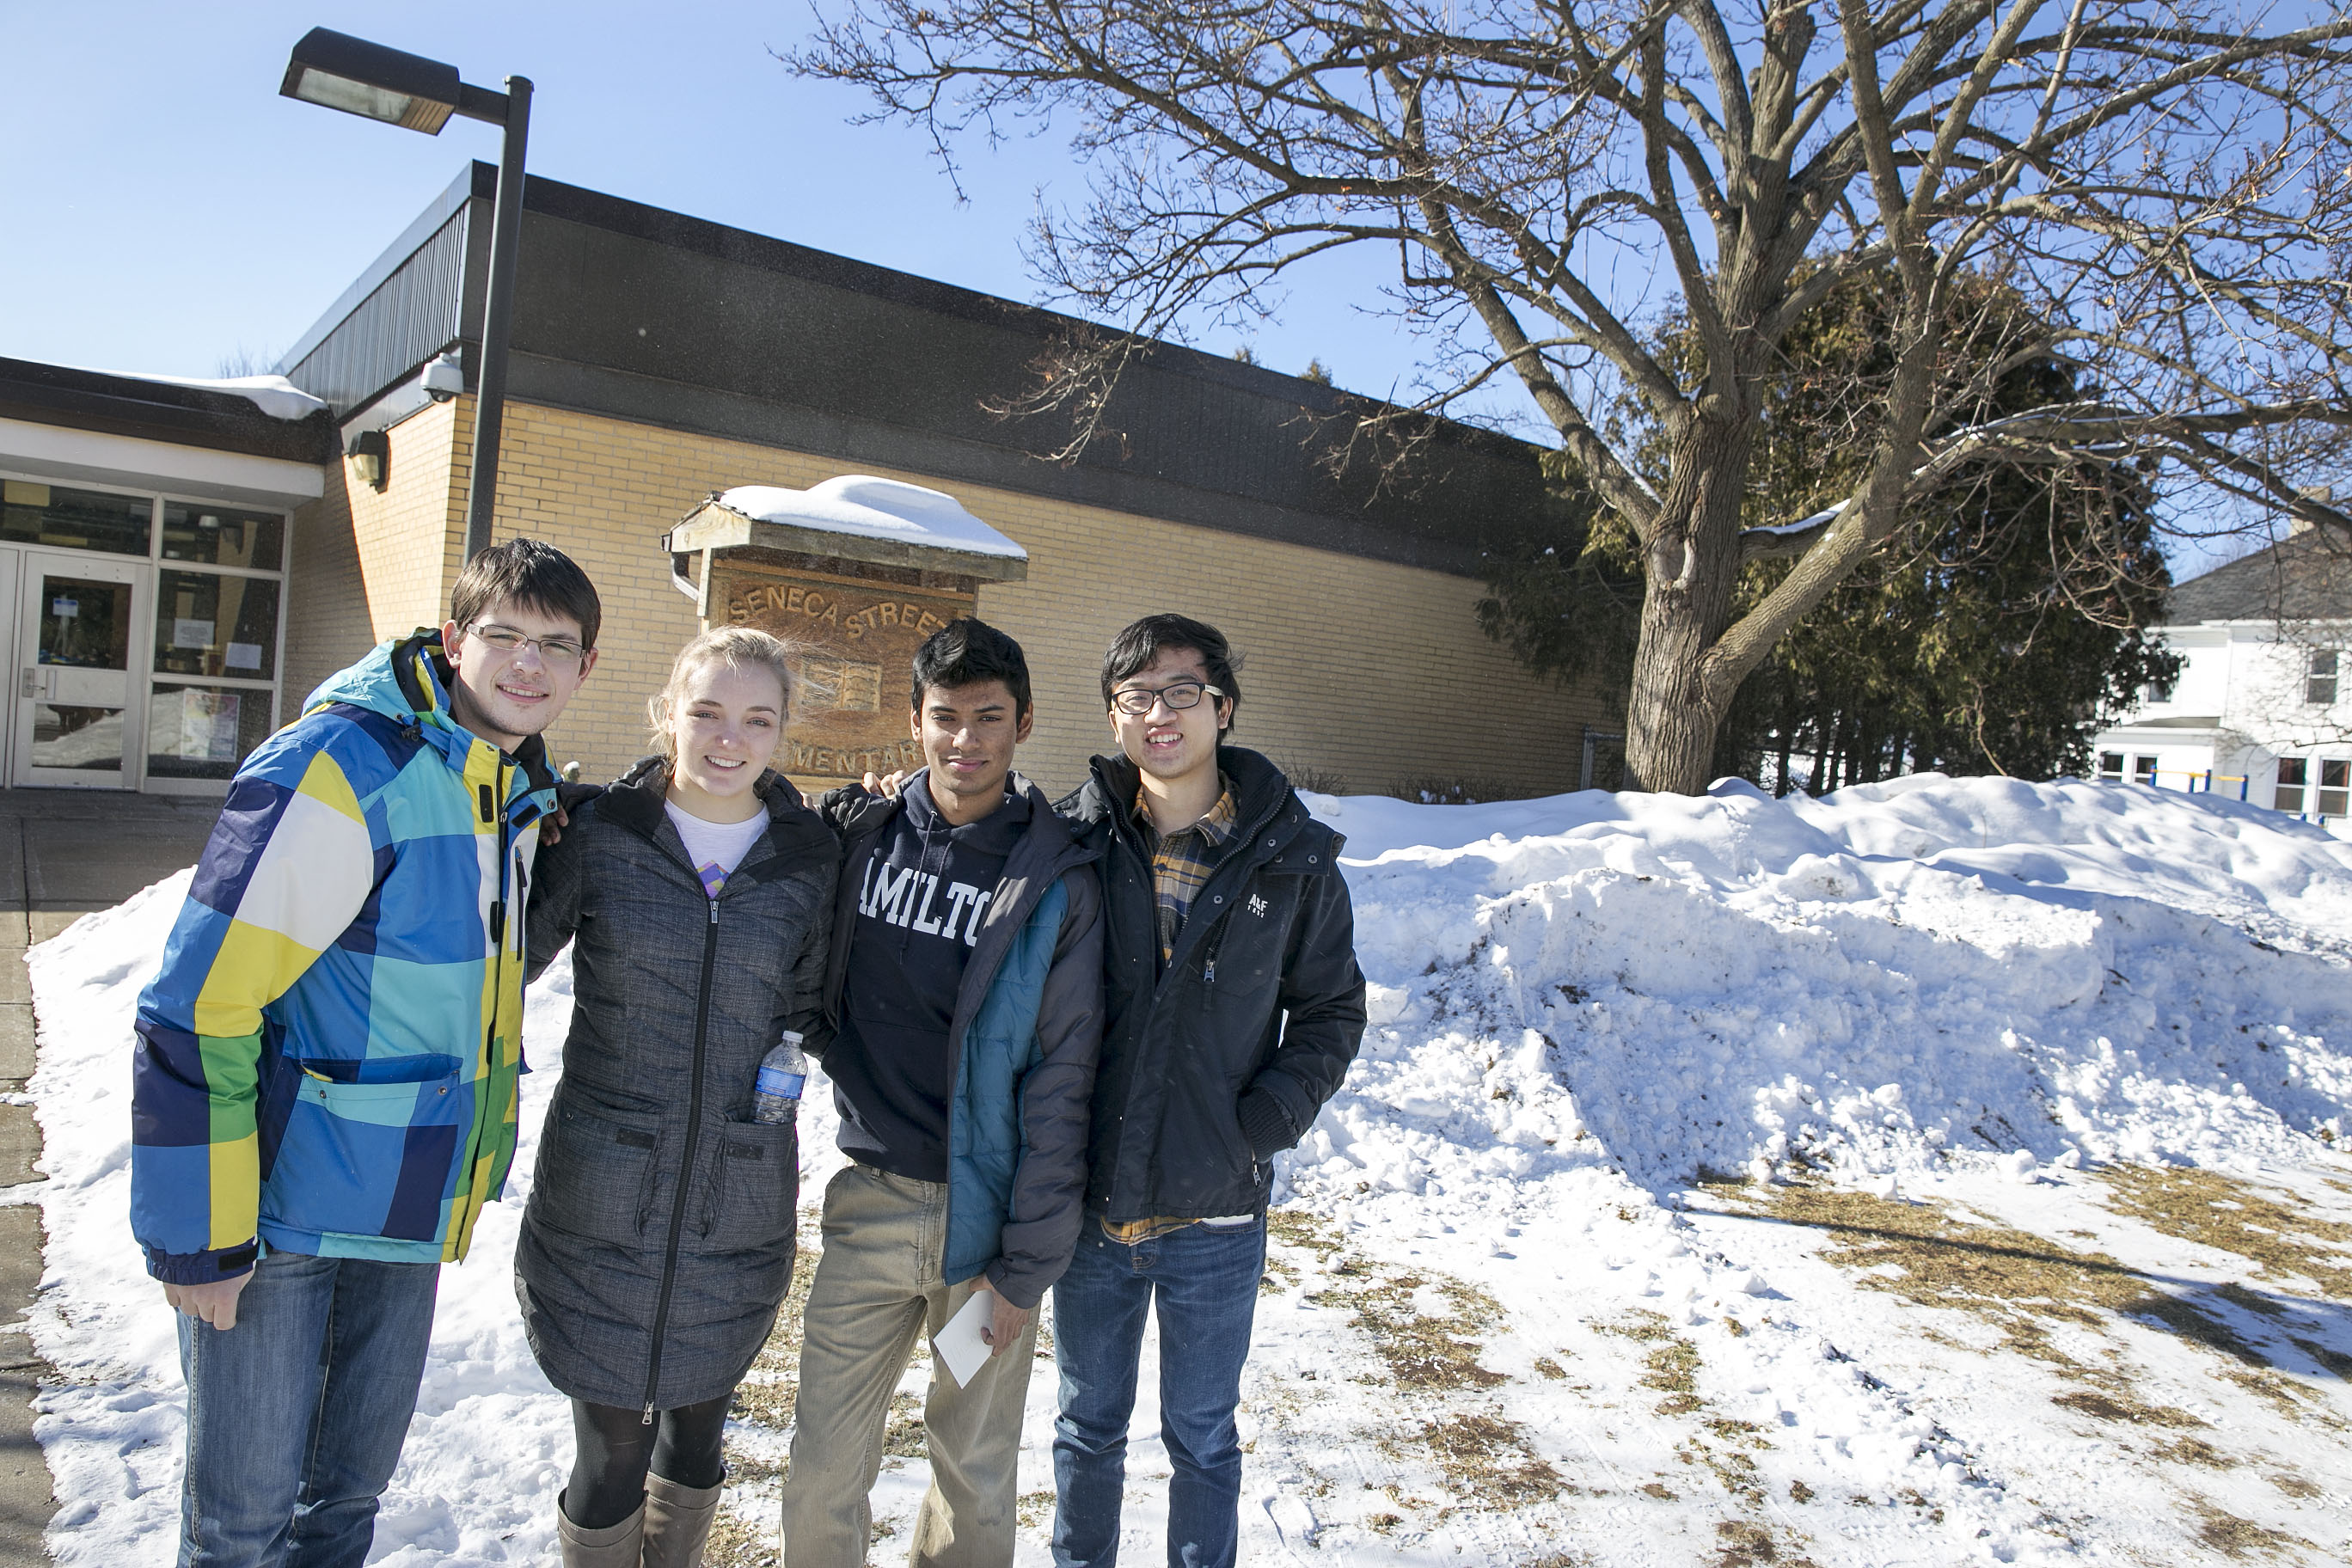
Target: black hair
{"points": [[536, 575], [966, 653], [1135, 648]]}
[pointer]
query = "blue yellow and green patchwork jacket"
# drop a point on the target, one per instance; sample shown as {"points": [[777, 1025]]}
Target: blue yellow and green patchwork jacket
{"points": [[327, 1062]]}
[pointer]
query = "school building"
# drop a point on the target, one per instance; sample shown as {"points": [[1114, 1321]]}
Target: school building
{"points": [[181, 563]]}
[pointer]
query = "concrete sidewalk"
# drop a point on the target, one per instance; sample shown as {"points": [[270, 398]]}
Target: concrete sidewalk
{"points": [[63, 853]]}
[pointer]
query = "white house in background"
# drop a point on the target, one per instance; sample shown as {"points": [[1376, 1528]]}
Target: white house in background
{"points": [[2261, 709]]}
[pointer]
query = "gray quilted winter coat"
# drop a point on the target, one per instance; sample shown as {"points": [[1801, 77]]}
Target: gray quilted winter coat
{"points": [[658, 1239]]}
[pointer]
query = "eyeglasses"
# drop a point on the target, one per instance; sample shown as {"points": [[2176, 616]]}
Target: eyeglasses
{"points": [[1138, 699], [506, 639]]}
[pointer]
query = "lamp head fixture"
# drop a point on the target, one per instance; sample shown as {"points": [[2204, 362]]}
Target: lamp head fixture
{"points": [[337, 72]]}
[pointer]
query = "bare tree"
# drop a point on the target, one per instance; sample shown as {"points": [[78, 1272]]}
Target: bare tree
{"points": [[2165, 185]]}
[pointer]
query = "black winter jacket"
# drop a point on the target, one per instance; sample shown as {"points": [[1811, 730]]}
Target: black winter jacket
{"points": [[1216, 1062], [1020, 1230], [659, 1239]]}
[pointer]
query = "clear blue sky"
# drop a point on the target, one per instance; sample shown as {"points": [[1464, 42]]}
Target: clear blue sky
{"points": [[165, 208]]}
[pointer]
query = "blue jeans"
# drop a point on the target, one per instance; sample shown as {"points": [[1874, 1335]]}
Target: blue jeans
{"points": [[1202, 1282], [296, 1416]]}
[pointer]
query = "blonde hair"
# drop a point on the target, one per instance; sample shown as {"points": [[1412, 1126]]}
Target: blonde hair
{"points": [[745, 647]]}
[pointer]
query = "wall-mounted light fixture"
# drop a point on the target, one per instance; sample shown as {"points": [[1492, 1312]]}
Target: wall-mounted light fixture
{"points": [[370, 452]]}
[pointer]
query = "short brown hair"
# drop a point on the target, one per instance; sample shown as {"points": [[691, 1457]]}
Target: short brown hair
{"points": [[534, 575]]}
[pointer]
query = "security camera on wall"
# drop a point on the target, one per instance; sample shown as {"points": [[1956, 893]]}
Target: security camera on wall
{"points": [[445, 378]]}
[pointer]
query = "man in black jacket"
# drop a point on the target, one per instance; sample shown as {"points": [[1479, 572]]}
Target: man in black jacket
{"points": [[965, 986], [1234, 1006]]}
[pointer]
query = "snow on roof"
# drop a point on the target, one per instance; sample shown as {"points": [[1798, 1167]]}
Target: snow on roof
{"points": [[273, 394], [874, 509]]}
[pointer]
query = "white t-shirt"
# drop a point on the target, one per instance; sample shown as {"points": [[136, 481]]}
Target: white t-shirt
{"points": [[716, 847]]}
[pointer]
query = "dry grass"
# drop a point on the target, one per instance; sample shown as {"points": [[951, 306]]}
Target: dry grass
{"points": [[1490, 1456], [737, 1541], [2235, 1537], [2024, 1284], [2234, 1215], [1431, 1361], [1746, 1544]]}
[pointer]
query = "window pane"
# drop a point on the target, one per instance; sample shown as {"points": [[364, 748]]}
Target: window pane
{"points": [[216, 625], [2111, 764], [195, 734], [223, 536], [88, 739], [2291, 777], [2335, 773], [2144, 769], [83, 624], [34, 513]]}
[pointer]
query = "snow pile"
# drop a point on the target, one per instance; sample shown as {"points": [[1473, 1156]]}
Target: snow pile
{"points": [[1929, 983], [273, 394], [874, 509], [1891, 978]]}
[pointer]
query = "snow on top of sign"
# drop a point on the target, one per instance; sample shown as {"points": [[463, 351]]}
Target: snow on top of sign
{"points": [[874, 509], [273, 394]]}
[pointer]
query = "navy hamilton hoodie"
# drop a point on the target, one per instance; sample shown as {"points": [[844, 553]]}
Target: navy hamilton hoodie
{"points": [[923, 893]]}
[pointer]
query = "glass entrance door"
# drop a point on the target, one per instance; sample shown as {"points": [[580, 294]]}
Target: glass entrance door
{"points": [[79, 638]]}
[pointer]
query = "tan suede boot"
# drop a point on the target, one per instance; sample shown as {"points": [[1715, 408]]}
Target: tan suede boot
{"points": [[678, 1522], [614, 1546]]}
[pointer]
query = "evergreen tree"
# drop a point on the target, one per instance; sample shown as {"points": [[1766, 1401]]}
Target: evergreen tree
{"points": [[1996, 644]]}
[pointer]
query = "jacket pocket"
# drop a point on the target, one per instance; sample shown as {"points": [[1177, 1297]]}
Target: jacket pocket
{"points": [[368, 1159], [755, 1187], [592, 1175]]}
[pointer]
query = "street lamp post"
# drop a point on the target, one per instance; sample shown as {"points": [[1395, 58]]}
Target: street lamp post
{"points": [[378, 83]]}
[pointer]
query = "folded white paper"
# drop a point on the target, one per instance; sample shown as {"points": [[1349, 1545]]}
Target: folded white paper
{"points": [[958, 1345]]}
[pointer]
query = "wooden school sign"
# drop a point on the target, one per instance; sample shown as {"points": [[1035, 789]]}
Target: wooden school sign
{"points": [[852, 609]]}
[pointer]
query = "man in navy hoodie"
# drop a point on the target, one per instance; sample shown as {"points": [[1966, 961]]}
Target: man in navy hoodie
{"points": [[966, 983]]}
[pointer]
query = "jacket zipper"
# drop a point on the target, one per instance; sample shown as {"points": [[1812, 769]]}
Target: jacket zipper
{"points": [[686, 1165]]}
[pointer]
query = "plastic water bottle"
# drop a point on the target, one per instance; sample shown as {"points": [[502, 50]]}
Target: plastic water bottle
{"points": [[783, 1072]]}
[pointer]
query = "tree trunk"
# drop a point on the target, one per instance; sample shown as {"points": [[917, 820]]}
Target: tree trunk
{"points": [[1678, 700]]}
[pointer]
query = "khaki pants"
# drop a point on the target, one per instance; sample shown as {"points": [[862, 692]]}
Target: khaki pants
{"points": [[877, 1287]]}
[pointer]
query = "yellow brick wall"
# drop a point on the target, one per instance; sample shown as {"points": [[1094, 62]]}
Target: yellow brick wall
{"points": [[370, 565], [1364, 669], [327, 623]]}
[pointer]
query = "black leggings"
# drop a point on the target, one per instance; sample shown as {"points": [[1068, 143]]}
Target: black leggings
{"points": [[614, 1448]]}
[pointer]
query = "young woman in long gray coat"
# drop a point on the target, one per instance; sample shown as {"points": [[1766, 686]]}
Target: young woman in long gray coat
{"points": [[696, 892]]}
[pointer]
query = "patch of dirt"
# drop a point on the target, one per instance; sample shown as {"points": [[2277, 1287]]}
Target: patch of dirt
{"points": [[2195, 1451], [1746, 1544], [2235, 1537], [2023, 1284], [1490, 1456], [1034, 1509], [1434, 1354], [2125, 1410], [740, 1540], [2235, 1215]]}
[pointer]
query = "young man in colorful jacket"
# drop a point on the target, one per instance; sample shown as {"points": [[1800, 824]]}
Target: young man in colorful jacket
{"points": [[966, 986], [323, 1094]]}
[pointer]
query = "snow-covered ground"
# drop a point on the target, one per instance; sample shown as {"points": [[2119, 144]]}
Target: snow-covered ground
{"points": [[1939, 1172]]}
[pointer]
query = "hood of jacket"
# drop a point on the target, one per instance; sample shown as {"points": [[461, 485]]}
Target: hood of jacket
{"points": [[407, 679]]}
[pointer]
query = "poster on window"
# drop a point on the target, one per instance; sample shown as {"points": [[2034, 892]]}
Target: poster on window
{"points": [[208, 726]]}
